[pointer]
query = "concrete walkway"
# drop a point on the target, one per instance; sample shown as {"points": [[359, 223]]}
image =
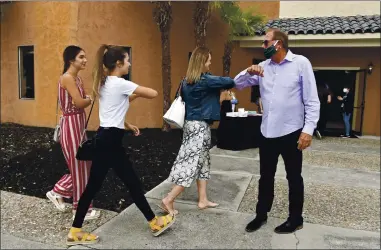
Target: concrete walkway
{"points": [[233, 175], [342, 208]]}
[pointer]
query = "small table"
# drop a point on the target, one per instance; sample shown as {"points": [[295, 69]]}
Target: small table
{"points": [[239, 133]]}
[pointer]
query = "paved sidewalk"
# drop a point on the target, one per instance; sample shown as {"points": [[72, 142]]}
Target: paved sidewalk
{"points": [[342, 209], [12, 242], [233, 185]]}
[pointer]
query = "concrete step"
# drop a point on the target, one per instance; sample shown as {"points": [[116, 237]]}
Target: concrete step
{"points": [[346, 177], [360, 161], [359, 177], [248, 153], [224, 188], [343, 148], [234, 164], [349, 142]]}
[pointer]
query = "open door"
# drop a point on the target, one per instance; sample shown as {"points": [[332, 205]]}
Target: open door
{"points": [[359, 102]]}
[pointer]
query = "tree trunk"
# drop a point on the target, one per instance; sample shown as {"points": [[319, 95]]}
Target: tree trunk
{"points": [[227, 57], [162, 15], [201, 16], [166, 74]]}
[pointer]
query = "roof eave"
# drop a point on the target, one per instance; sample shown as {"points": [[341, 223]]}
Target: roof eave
{"points": [[318, 40]]}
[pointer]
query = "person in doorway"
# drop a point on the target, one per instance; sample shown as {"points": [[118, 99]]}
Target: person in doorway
{"points": [[290, 114], [72, 102], [201, 93], [347, 110], [114, 92], [259, 105], [227, 100], [325, 99]]}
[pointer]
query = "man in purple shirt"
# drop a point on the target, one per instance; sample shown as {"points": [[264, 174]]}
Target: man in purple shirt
{"points": [[290, 113]]}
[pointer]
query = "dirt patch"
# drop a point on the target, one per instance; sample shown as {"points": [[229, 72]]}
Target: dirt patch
{"points": [[33, 163]]}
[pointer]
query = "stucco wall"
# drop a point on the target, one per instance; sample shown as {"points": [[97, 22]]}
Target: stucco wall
{"points": [[115, 23], [328, 8], [51, 26]]}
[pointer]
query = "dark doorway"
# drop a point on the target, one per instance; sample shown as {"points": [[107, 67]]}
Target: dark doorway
{"points": [[336, 81]]}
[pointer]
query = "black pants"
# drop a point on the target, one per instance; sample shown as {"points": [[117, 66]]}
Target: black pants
{"points": [[109, 152], [269, 152]]}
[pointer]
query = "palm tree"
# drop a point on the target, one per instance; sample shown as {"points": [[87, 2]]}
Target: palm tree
{"points": [[162, 14], [239, 22], [2, 3], [201, 17]]}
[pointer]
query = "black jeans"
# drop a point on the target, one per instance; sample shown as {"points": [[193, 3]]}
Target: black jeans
{"points": [[269, 152], [109, 152]]}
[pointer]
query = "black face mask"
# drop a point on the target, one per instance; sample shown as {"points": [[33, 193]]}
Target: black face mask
{"points": [[270, 51]]}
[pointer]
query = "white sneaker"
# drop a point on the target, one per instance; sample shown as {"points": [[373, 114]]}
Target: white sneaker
{"points": [[94, 214], [54, 198]]}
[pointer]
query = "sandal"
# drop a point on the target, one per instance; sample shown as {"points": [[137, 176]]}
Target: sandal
{"points": [[168, 221], [85, 239], [94, 214], [54, 198]]}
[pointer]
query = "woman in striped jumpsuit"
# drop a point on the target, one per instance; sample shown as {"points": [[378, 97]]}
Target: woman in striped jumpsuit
{"points": [[73, 101]]}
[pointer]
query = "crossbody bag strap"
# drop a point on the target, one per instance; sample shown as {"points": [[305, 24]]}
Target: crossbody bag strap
{"points": [[87, 120]]}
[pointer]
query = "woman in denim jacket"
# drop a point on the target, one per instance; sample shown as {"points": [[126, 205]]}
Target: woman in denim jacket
{"points": [[201, 93]]}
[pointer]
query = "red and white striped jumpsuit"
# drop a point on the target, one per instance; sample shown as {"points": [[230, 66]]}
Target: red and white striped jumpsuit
{"points": [[72, 127]]}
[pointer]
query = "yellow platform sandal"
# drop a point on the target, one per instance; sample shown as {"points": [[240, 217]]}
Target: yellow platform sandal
{"points": [[167, 220], [84, 239]]}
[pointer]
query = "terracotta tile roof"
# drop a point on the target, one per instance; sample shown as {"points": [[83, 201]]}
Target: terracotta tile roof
{"points": [[325, 25]]}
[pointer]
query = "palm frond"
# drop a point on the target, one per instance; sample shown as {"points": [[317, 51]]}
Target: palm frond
{"points": [[239, 21]]}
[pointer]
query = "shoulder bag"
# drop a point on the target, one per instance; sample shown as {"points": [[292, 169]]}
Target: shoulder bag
{"points": [[176, 113]]}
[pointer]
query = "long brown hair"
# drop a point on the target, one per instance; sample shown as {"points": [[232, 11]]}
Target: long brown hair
{"points": [[199, 57], [106, 59], [69, 54]]}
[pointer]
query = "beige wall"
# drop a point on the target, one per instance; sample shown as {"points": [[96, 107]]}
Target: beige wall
{"points": [[328, 8]]}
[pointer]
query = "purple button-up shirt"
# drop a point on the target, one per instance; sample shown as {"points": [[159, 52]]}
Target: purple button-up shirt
{"points": [[289, 95]]}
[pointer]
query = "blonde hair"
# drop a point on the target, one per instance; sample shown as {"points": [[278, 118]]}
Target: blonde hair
{"points": [[199, 57], [105, 62]]}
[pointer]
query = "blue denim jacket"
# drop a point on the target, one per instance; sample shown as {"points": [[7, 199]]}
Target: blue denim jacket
{"points": [[202, 99]]}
